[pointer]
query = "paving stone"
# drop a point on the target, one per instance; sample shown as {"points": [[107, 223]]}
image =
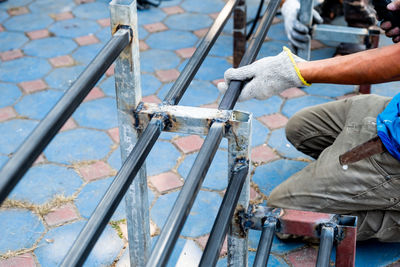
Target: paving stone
{"points": [[171, 40], [293, 105], [165, 60], [33, 86], [73, 28], [63, 16], [95, 171], [20, 226], [262, 154], [150, 16], [205, 6], [259, 133], [278, 141], [11, 54], [13, 132], [114, 134], [108, 86], [143, 46], [15, 3], [104, 22], [303, 258], [78, 145], [99, 113], [62, 61], [385, 89], [189, 143], [104, 35], [15, 11], [95, 10], [374, 253], [167, 75], [212, 68], [277, 31], [10, 93], [43, 182], [331, 90], [292, 92], [69, 125], [254, 196], [51, 7], [271, 48], [28, 22], [172, 10], [1, 28], [3, 15], [37, 105], [7, 113], [202, 241], [322, 53], [223, 47], [274, 121], [202, 215], [165, 181], [151, 99], [25, 260], [38, 34], [110, 71], [61, 215], [85, 54], [155, 27], [162, 158], [86, 40], [95, 93], [11, 40], [188, 21], [115, 159], [270, 175], [61, 238], [49, 47], [63, 78], [90, 196], [186, 52], [201, 33], [260, 107], [217, 176], [24, 69]]}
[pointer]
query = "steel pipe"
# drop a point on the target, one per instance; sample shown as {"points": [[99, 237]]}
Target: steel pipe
{"points": [[224, 216], [92, 230], [180, 211], [181, 84], [325, 246], [36, 142], [265, 244]]}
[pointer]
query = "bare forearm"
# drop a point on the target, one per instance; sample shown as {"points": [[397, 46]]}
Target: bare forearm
{"points": [[367, 67]]}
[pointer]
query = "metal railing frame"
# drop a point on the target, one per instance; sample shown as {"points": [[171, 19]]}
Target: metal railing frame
{"points": [[140, 125]]}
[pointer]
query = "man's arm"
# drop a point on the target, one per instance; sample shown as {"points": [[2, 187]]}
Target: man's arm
{"points": [[367, 67]]}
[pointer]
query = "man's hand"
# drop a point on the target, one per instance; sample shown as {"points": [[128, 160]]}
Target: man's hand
{"points": [[393, 32], [268, 76], [296, 31]]}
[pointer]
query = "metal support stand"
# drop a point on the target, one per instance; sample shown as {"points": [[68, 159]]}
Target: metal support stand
{"points": [[239, 32], [305, 17], [129, 94]]}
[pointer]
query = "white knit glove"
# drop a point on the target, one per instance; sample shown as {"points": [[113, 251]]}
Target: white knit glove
{"points": [[297, 32], [268, 76]]}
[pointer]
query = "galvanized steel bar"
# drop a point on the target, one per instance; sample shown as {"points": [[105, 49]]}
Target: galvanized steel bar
{"points": [[128, 96], [340, 34], [325, 246], [255, 43], [178, 89], [265, 244], [18, 165], [239, 32], [225, 213], [87, 238], [305, 17], [180, 211]]}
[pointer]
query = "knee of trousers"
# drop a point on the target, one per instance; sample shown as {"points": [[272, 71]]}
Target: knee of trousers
{"points": [[292, 129]]}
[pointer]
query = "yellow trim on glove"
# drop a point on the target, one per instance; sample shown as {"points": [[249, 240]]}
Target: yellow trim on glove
{"points": [[287, 50]]}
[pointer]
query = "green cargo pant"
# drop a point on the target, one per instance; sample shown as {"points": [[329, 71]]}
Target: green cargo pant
{"points": [[369, 189]]}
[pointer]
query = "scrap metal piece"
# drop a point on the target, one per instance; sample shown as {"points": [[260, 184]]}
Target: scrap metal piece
{"points": [[365, 150]]}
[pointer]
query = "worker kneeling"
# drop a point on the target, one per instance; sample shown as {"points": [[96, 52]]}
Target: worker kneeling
{"points": [[369, 188]]}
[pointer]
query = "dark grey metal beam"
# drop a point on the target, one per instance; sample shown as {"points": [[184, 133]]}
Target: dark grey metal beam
{"points": [[36, 142], [325, 246], [265, 244]]}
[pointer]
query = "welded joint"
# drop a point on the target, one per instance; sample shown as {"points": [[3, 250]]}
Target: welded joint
{"points": [[123, 27], [255, 217]]}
